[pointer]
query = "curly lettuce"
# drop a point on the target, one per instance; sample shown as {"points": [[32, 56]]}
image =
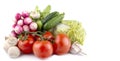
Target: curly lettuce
{"points": [[73, 29]]}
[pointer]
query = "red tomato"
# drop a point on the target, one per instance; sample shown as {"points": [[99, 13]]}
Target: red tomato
{"points": [[37, 38], [26, 45], [30, 36], [62, 44], [48, 35], [42, 49]]}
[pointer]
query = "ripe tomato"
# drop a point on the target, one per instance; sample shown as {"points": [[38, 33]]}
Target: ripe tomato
{"points": [[37, 38], [48, 35], [42, 49], [26, 45], [62, 44]]}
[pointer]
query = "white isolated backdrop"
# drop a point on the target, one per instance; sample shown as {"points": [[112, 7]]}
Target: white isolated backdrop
{"points": [[100, 18]]}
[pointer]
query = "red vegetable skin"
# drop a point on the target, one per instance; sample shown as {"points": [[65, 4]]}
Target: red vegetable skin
{"points": [[18, 16], [42, 49], [26, 45], [27, 20], [33, 26], [48, 35], [62, 44], [25, 14], [18, 29]]}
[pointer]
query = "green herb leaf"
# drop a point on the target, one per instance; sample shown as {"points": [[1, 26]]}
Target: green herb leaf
{"points": [[37, 9], [46, 11]]}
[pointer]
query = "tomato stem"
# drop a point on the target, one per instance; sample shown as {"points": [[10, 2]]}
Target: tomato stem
{"points": [[25, 33], [26, 36]]}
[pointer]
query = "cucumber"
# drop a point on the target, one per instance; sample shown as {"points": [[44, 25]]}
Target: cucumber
{"points": [[50, 16], [53, 22]]}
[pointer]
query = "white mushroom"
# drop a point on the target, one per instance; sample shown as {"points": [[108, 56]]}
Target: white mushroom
{"points": [[6, 46], [14, 52], [12, 40]]}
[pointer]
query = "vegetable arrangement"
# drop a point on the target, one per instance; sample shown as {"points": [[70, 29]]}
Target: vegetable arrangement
{"points": [[44, 33]]}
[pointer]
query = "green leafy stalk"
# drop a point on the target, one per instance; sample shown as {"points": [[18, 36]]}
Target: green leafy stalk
{"points": [[46, 11]]}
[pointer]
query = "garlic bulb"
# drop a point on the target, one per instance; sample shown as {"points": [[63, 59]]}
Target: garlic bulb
{"points": [[76, 49], [14, 52]]}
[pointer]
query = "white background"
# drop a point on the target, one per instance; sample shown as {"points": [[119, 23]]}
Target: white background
{"points": [[100, 18]]}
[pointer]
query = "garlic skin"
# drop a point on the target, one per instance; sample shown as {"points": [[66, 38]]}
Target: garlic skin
{"points": [[75, 48], [14, 52], [6, 46]]}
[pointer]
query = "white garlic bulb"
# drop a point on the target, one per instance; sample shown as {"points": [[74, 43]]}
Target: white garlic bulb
{"points": [[14, 52], [76, 49]]}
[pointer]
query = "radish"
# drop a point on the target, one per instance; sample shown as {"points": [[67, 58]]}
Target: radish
{"points": [[20, 22], [13, 33], [27, 20], [25, 27], [18, 16], [13, 26], [33, 26], [18, 29], [25, 14]]}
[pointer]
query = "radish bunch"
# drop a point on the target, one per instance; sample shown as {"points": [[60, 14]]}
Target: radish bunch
{"points": [[22, 23]]}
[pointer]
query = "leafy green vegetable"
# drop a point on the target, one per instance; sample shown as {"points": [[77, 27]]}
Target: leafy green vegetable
{"points": [[61, 28], [37, 9], [46, 11], [73, 29]]}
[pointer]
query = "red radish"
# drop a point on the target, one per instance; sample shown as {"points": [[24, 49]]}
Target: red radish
{"points": [[13, 26], [13, 33], [33, 26], [15, 21], [25, 14], [27, 20], [25, 27], [18, 29], [18, 16], [20, 22]]}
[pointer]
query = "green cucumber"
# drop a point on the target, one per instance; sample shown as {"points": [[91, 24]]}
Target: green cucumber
{"points": [[53, 22], [50, 16]]}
